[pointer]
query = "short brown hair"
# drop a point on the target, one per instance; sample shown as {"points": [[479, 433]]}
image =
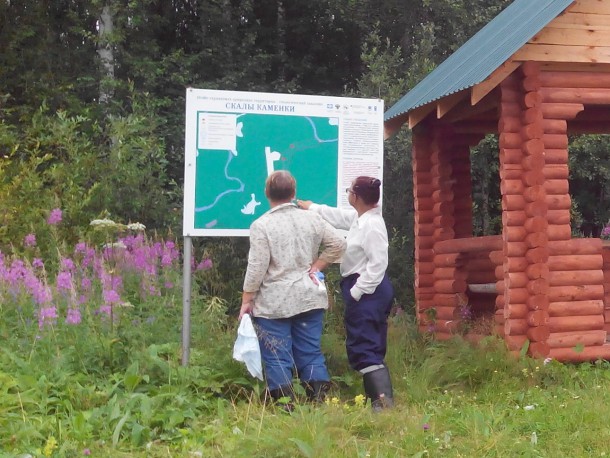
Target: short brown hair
{"points": [[368, 189], [280, 186]]}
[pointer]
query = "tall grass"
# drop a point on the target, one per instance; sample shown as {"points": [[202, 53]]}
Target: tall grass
{"points": [[90, 365]]}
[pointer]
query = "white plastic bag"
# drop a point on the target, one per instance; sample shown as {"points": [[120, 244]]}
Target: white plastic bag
{"points": [[246, 348]]}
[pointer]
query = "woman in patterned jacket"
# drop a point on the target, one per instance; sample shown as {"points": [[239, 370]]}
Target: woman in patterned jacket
{"points": [[281, 292]]}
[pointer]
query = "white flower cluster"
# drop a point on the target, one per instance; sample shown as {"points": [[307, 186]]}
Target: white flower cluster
{"points": [[118, 244], [136, 227], [103, 223]]}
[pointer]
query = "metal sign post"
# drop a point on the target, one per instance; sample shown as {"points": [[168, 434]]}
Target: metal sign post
{"points": [[186, 300]]}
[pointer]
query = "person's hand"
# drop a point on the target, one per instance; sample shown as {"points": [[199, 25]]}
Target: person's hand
{"points": [[246, 307], [304, 204]]}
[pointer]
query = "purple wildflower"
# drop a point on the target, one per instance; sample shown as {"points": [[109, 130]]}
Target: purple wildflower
{"points": [[205, 264], [426, 426], [85, 283], [73, 316], [67, 264], [111, 297], [37, 262], [47, 315], [54, 217], [87, 452], [169, 285], [29, 240], [64, 280]]}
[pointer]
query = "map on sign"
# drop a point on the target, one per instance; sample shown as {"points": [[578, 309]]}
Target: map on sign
{"points": [[234, 143]]}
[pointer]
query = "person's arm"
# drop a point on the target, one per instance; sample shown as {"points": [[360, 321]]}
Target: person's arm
{"points": [[258, 263], [339, 218], [375, 247]]}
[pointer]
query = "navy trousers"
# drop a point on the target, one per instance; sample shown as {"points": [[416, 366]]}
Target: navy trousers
{"points": [[366, 323]]}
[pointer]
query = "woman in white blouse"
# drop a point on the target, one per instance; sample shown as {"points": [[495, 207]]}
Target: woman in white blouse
{"points": [[366, 289]]}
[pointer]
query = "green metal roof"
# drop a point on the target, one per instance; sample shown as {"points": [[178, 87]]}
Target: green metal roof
{"points": [[489, 48]]}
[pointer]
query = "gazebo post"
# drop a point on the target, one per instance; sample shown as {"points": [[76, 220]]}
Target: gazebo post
{"points": [[424, 225]]}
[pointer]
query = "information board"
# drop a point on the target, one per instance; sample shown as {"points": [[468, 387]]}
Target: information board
{"points": [[234, 140]]}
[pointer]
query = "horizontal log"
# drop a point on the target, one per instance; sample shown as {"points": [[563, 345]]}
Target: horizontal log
{"points": [[576, 277], [576, 293], [576, 308], [449, 260], [515, 311], [516, 280], [515, 343], [450, 286], [449, 273], [576, 262], [590, 353], [516, 250], [496, 257], [561, 110], [517, 186], [571, 339], [593, 96], [450, 299], [517, 295], [554, 156], [466, 245], [554, 126], [482, 288], [513, 327], [584, 246], [575, 79], [576, 323], [515, 171]]}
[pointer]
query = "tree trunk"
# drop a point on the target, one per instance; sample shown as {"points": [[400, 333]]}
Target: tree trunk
{"points": [[106, 53]]}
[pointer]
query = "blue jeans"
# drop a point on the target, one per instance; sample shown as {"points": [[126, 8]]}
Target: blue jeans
{"points": [[292, 343]]}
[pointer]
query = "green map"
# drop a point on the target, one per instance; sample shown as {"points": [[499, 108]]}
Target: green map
{"points": [[230, 183]]}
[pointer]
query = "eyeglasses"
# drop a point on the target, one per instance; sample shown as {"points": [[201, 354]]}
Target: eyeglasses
{"points": [[349, 190]]}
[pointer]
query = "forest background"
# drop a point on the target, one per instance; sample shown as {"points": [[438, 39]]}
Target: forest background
{"points": [[92, 98]]}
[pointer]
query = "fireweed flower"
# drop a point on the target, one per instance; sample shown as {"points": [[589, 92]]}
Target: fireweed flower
{"points": [[47, 315], [29, 240], [426, 426], [205, 264], [64, 280], [67, 264], [54, 217], [37, 263], [73, 316], [111, 297]]}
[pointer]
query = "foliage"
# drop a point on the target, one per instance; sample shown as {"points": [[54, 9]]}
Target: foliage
{"points": [[590, 181]]}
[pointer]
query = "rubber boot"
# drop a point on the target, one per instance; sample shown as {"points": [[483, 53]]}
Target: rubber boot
{"points": [[316, 390], [283, 397], [378, 387]]}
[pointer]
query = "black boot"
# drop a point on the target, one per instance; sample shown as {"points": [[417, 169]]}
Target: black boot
{"points": [[283, 397], [316, 390], [378, 387]]}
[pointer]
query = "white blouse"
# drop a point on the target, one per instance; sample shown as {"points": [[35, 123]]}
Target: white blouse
{"points": [[367, 245]]}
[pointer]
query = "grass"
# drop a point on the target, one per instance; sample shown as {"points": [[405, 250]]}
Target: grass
{"points": [[112, 385], [452, 399]]}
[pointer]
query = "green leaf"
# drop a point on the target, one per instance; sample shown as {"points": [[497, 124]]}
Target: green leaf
{"points": [[304, 447]]}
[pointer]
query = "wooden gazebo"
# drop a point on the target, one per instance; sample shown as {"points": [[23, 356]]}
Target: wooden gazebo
{"points": [[536, 73]]}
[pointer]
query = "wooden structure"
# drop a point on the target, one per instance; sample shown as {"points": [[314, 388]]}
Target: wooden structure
{"points": [[540, 285]]}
